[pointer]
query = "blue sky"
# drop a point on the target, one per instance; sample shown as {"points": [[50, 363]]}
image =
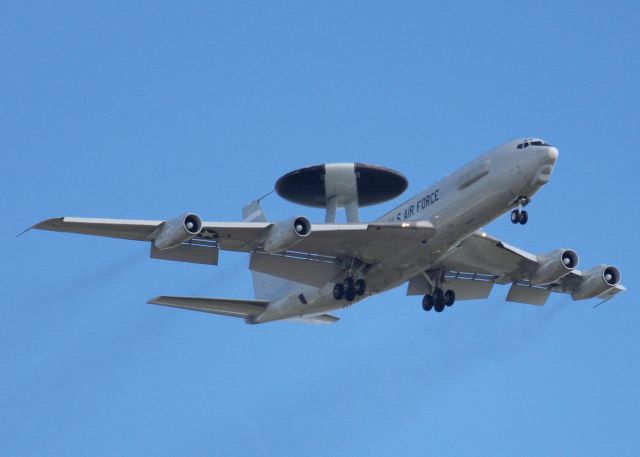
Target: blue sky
{"points": [[151, 109]]}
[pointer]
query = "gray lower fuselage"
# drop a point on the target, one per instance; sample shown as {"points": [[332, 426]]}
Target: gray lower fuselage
{"points": [[457, 206]]}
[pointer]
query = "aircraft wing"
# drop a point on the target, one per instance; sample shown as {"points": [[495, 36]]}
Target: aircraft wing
{"points": [[369, 242], [484, 254], [115, 228], [480, 261]]}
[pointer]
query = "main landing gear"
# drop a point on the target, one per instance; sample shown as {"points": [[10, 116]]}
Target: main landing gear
{"points": [[518, 215], [439, 300], [349, 289]]}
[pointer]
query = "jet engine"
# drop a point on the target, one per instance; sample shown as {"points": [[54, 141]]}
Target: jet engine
{"points": [[284, 235], [554, 266], [176, 231], [597, 281]]}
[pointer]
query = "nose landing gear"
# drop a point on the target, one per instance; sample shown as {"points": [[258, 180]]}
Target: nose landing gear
{"points": [[518, 215], [439, 300]]}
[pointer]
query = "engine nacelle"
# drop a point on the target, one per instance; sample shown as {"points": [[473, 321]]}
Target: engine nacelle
{"points": [[554, 266], [176, 231], [597, 281], [284, 235]]}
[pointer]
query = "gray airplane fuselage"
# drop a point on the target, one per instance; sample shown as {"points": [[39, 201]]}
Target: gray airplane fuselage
{"points": [[457, 206]]}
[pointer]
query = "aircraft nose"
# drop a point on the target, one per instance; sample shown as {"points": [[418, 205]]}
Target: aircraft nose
{"points": [[549, 156], [546, 158]]}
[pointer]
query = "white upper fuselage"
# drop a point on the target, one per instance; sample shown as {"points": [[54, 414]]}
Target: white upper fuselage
{"points": [[457, 206]]}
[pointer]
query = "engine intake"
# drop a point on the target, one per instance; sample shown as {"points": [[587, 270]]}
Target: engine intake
{"points": [[554, 266], [597, 281], [176, 231], [284, 235]]}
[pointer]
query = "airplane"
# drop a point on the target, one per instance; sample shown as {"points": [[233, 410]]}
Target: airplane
{"points": [[433, 241]]}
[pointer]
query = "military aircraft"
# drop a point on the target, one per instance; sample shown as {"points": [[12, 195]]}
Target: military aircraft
{"points": [[432, 241]]}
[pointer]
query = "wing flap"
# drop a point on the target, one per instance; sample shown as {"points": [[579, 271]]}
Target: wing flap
{"points": [[313, 271], [195, 251], [529, 295], [481, 253], [469, 287]]}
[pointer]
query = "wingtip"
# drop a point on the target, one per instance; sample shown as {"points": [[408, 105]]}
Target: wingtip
{"points": [[24, 231], [48, 224]]}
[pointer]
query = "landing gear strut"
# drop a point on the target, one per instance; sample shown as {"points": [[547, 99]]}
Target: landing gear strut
{"points": [[439, 300], [349, 289]]}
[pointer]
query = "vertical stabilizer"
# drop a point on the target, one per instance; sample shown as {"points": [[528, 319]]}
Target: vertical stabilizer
{"points": [[266, 287], [253, 212]]}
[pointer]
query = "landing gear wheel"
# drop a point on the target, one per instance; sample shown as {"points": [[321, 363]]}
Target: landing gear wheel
{"points": [[349, 283], [427, 302], [338, 291], [449, 297], [438, 300], [360, 286], [350, 295], [515, 216], [519, 217], [524, 217], [349, 289]]}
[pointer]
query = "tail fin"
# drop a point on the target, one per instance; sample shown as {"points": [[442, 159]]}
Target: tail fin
{"points": [[266, 287], [253, 212]]}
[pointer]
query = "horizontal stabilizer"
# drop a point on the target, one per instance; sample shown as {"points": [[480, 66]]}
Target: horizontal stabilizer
{"points": [[223, 306]]}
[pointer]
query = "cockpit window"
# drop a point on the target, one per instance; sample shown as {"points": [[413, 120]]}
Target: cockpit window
{"points": [[528, 143]]}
